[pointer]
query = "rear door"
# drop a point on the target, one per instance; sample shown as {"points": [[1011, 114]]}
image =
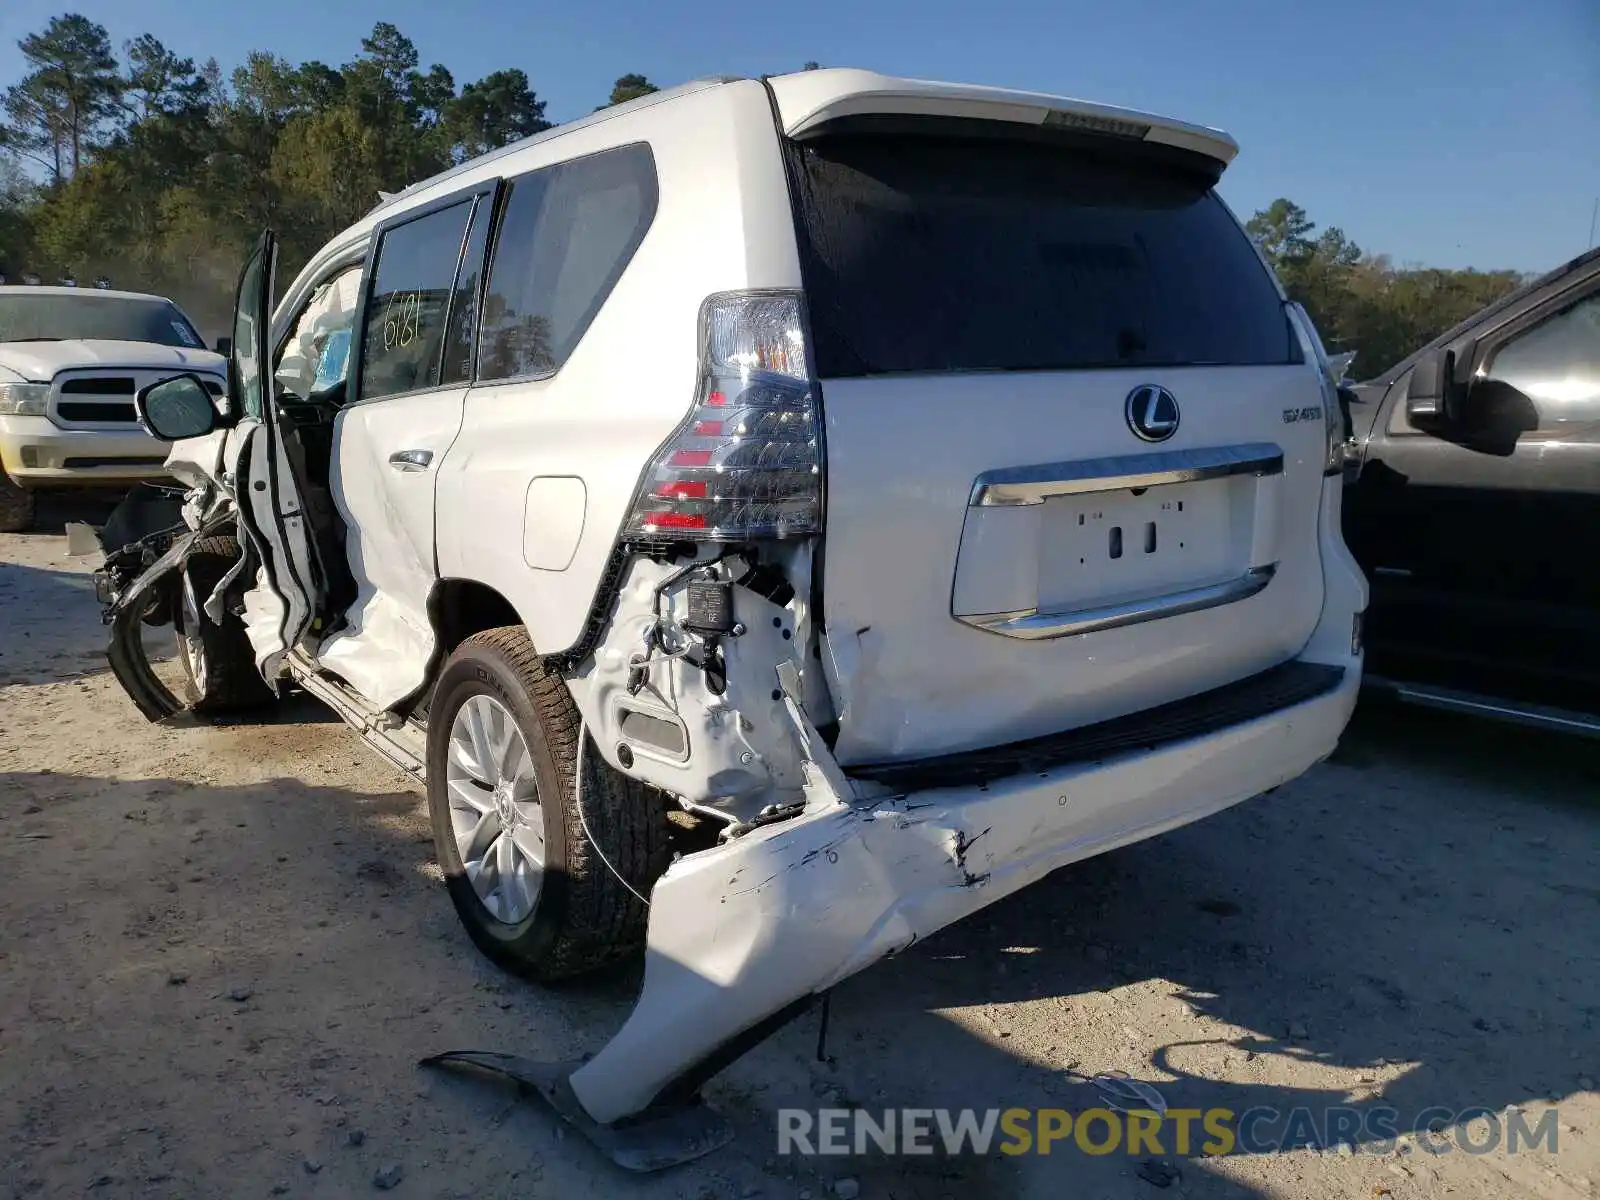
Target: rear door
{"points": [[414, 341], [1075, 451]]}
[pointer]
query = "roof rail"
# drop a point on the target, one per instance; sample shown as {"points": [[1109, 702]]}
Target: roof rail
{"points": [[605, 114]]}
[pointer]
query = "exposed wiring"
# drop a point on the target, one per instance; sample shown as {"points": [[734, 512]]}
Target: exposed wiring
{"points": [[639, 667], [646, 660], [577, 802]]}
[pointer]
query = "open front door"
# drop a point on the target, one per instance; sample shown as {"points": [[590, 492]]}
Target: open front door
{"points": [[268, 491]]}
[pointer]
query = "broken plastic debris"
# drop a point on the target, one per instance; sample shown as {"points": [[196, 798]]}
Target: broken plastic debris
{"points": [[1122, 1094]]}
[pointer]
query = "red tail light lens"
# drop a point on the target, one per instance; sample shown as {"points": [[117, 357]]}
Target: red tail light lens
{"points": [[747, 463]]}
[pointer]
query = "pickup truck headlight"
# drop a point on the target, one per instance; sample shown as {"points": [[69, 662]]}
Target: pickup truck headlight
{"points": [[24, 399]]}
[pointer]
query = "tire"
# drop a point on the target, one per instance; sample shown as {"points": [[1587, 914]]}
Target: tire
{"points": [[17, 505], [219, 665], [582, 916]]}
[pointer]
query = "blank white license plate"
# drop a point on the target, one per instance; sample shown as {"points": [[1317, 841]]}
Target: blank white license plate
{"points": [[1114, 545]]}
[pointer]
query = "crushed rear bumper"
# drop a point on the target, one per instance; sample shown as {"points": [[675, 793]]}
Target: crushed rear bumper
{"points": [[742, 934]]}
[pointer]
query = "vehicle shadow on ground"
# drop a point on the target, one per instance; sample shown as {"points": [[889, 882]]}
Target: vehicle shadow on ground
{"points": [[1347, 924], [273, 959], [49, 618], [1388, 947], [57, 509], [49, 628]]}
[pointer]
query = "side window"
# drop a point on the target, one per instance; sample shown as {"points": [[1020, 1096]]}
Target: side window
{"points": [[461, 332], [566, 236], [1556, 364], [315, 358], [403, 335]]}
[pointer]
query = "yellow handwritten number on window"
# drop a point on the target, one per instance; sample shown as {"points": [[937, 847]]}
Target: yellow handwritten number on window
{"points": [[402, 322]]}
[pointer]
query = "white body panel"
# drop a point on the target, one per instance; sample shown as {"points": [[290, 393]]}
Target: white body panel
{"points": [[552, 521], [42, 361], [199, 461], [277, 523], [260, 476], [722, 223], [35, 451], [911, 680], [388, 511]]}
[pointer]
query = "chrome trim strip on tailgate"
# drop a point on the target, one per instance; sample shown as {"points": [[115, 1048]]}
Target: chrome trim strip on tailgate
{"points": [[1034, 485], [1033, 625]]}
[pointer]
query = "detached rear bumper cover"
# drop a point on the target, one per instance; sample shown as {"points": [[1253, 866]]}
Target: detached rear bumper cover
{"points": [[741, 933]]}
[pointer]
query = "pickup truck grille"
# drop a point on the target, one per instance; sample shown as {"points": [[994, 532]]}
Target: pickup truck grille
{"points": [[79, 411], [90, 399], [1233, 704], [115, 385]]}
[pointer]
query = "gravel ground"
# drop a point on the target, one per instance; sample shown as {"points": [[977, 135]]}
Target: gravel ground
{"points": [[224, 948]]}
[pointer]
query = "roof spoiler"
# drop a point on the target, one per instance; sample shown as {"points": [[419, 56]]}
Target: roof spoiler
{"points": [[812, 100]]}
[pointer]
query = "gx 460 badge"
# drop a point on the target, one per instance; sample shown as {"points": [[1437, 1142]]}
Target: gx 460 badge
{"points": [[1292, 416]]}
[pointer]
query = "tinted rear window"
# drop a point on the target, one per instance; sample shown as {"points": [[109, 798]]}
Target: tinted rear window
{"points": [[568, 233], [953, 254]]}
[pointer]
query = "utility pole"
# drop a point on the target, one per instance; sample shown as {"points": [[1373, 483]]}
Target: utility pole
{"points": [[1593, 213]]}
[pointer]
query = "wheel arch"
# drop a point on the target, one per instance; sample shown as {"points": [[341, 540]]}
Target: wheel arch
{"points": [[459, 608]]}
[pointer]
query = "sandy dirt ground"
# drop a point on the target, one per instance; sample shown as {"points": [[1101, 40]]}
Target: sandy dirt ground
{"points": [[224, 948]]}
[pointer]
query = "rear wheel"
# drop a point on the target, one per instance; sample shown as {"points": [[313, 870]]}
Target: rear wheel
{"points": [[17, 505], [219, 666], [529, 881]]}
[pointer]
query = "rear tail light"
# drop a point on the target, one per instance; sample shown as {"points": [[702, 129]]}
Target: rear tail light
{"points": [[747, 463]]}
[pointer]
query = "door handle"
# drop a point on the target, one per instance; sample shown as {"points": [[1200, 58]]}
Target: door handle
{"points": [[411, 460]]}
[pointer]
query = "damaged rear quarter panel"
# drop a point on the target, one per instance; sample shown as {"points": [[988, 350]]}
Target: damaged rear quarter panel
{"points": [[742, 751]]}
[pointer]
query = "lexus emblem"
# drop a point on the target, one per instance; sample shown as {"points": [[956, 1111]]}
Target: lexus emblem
{"points": [[1152, 412]]}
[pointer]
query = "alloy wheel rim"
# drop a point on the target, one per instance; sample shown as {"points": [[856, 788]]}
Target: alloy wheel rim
{"points": [[190, 644], [495, 813]]}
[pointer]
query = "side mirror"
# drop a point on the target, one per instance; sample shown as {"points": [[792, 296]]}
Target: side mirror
{"points": [[225, 346], [1433, 396], [176, 408]]}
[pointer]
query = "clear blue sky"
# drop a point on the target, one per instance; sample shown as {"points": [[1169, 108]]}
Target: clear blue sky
{"points": [[1442, 132]]}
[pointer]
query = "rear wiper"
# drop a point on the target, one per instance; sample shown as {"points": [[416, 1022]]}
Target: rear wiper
{"points": [[32, 339]]}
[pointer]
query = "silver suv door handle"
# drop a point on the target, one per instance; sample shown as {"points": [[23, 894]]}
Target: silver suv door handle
{"points": [[411, 460]]}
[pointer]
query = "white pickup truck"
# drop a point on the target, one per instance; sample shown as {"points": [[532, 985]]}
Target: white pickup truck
{"points": [[71, 360]]}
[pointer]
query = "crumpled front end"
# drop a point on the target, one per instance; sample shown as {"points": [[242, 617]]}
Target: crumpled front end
{"points": [[146, 542], [145, 598]]}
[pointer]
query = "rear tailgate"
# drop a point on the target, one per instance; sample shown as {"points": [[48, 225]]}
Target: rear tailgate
{"points": [[1024, 532]]}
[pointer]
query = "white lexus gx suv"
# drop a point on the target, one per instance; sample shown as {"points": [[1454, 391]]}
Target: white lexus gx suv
{"points": [[776, 518]]}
